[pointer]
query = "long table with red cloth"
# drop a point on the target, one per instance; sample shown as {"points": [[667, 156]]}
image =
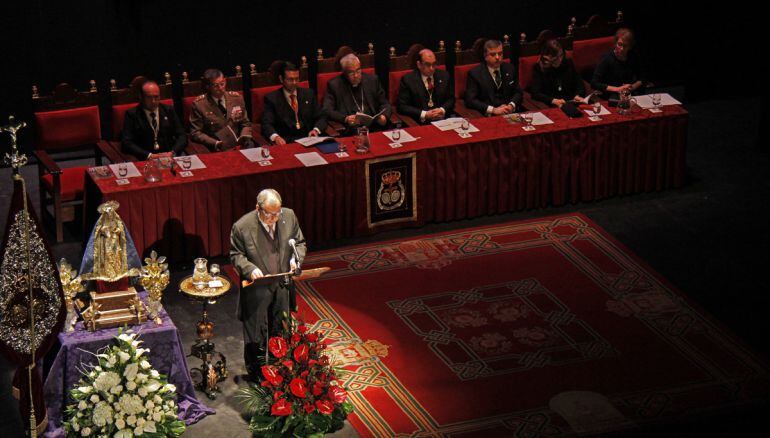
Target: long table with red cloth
{"points": [[501, 168]]}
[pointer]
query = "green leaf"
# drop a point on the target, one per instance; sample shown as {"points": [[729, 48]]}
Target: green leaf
{"points": [[320, 423], [255, 399]]}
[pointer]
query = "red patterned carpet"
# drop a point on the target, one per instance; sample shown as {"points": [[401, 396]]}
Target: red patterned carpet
{"points": [[548, 327]]}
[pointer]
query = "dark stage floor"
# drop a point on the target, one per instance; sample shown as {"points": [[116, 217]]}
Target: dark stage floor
{"points": [[707, 238]]}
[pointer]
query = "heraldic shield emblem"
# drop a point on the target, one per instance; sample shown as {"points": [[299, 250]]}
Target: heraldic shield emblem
{"points": [[391, 191]]}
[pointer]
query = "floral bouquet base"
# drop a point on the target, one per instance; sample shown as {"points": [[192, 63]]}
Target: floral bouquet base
{"points": [[123, 396], [300, 395]]}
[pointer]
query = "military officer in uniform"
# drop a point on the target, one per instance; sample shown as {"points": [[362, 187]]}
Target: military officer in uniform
{"points": [[218, 119]]}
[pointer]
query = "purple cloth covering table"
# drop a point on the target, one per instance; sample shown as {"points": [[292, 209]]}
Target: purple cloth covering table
{"points": [[78, 349]]}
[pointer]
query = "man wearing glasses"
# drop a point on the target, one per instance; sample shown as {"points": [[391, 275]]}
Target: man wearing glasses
{"points": [[352, 92], [426, 94], [259, 246], [218, 119]]}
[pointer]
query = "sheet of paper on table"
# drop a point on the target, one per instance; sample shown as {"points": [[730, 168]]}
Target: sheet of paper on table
{"points": [[131, 169], [310, 159], [310, 141], [452, 123], [255, 154], [195, 162], [539, 118], [405, 136], [645, 100], [603, 112]]}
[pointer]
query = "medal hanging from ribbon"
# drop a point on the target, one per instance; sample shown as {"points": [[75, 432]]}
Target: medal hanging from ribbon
{"points": [[430, 91], [295, 107], [154, 126]]}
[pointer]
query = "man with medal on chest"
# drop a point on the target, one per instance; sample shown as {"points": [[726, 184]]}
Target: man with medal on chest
{"points": [[218, 118], [152, 128], [291, 112], [352, 92], [491, 87], [426, 94]]}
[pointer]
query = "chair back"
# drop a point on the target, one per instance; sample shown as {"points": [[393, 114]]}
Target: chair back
{"points": [[66, 119]]}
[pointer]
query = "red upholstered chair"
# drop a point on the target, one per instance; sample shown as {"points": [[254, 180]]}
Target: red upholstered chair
{"points": [[266, 82], [465, 60], [121, 100], [329, 68], [592, 41], [529, 53], [192, 89], [65, 121], [401, 65]]}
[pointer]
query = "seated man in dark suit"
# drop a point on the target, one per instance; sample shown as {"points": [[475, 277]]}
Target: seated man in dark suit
{"points": [[491, 88], [291, 112], [426, 94], [355, 92], [151, 127]]}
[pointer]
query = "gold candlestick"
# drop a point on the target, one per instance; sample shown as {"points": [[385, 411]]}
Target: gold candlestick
{"points": [[154, 279]]}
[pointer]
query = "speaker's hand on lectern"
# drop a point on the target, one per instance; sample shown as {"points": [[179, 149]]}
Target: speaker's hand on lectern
{"points": [[256, 273], [292, 265]]}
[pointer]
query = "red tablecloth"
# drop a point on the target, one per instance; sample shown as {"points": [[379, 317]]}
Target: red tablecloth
{"points": [[500, 169]]}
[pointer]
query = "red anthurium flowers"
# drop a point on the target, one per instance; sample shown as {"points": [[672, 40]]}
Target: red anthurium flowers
{"points": [[318, 388], [281, 408], [298, 387], [277, 346], [271, 375], [336, 394], [324, 406], [301, 352]]}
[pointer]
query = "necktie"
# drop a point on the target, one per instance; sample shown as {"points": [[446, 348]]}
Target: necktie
{"points": [[272, 231], [429, 79], [221, 105], [498, 80], [154, 125], [294, 105]]}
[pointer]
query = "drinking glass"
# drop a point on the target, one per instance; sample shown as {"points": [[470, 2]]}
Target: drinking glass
{"points": [[656, 99], [186, 163], [527, 117], [122, 170], [395, 135]]}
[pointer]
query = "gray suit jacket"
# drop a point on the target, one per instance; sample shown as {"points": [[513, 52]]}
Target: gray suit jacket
{"points": [[246, 239]]}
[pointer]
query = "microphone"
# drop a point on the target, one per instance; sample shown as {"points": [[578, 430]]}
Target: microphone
{"points": [[293, 245]]}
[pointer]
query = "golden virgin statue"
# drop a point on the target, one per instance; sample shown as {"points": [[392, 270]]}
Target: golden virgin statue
{"points": [[110, 254]]}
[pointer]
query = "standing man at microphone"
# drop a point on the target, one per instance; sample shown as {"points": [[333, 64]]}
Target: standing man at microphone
{"points": [[259, 246]]}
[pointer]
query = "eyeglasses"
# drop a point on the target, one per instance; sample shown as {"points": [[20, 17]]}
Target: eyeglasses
{"points": [[269, 215], [355, 72], [219, 84]]}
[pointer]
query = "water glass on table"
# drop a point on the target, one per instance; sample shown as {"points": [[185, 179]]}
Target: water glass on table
{"points": [[527, 118], [656, 101]]}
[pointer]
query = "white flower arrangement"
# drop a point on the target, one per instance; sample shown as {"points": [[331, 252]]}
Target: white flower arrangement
{"points": [[123, 396]]}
